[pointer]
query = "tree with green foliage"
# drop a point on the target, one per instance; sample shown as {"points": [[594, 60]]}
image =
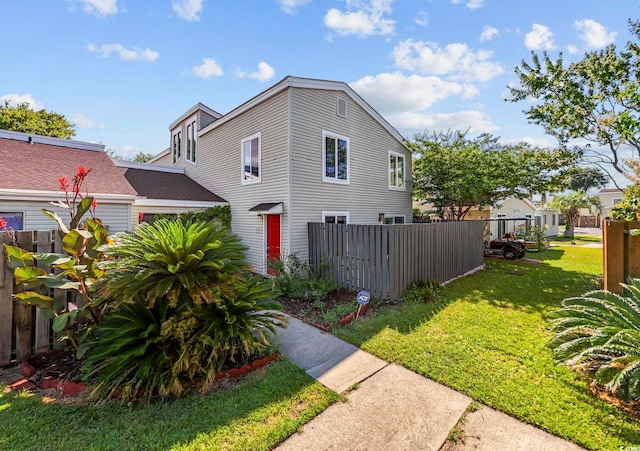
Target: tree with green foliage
{"points": [[600, 332], [455, 173], [142, 157], [581, 178], [570, 205], [182, 303], [629, 208], [21, 118], [595, 99]]}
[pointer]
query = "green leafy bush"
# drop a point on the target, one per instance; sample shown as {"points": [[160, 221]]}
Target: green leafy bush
{"points": [[600, 332], [183, 305], [629, 208], [294, 279], [220, 213], [422, 291]]}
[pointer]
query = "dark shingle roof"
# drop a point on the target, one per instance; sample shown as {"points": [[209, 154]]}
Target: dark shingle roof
{"points": [[168, 185], [38, 166]]}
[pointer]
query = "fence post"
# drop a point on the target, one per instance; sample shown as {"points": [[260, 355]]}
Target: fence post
{"points": [[613, 248], [6, 304], [43, 324]]}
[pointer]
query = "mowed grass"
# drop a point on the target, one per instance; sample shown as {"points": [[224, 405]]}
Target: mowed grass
{"points": [[257, 414], [488, 340]]}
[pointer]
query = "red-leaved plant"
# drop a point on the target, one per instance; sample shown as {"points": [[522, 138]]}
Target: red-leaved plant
{"points": [[71, 273]]}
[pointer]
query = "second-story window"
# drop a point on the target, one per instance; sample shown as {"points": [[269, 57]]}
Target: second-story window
{"points": [[191, 142], [176, 146], [251, 150], [396, 170], [335, 158]]}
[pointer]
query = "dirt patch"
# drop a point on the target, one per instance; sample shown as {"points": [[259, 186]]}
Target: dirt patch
{"points": [[324, 312]]}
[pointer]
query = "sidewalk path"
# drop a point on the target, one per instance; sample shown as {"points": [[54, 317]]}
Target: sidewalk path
{"points": [[392, 408]]}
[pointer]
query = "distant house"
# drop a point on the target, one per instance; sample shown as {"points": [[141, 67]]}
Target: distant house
{"points": [[125, 191], [609, 197], [302, 151]]}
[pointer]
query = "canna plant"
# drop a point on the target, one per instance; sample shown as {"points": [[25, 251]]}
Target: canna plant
{"points": [[183, 304], [600, 333], [73, 273]]}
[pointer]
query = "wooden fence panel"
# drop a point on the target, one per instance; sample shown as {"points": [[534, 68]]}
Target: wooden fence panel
{"points": [[621, 252], [385, 259], [6, 304]]}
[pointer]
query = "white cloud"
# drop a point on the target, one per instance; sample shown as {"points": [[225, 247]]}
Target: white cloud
{"points": [[545, 142], [391, 93], [539, 38], [473, 4], [455, 60], [17, 99], [363, 18], [125, 151], [100, 8], [572, 49], [209, 68], [594, 34], [83, 122], [264, 72], [291, 6], [188, 10], [488, 33], [132, 54], [409, 123], [422, 18]]}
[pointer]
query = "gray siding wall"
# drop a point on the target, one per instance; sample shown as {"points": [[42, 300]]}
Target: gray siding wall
{"points": [[116, 216], [368, 193], [219, 169]]}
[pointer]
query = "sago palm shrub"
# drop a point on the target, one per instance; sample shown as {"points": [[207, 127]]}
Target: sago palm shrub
{"points": [[183, 304], [600, 333]]}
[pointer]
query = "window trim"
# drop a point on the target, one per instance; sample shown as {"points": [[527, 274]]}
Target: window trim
{"points": [[393, 217], [327, 134], [190, 154], [404, 170], [5, 215], [346, 214], [243, 180]]}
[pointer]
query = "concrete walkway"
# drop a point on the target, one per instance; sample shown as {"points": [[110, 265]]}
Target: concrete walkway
{"points": [[393, 408]]}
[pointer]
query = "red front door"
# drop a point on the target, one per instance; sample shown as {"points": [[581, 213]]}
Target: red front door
{"points": [[273, 239]]}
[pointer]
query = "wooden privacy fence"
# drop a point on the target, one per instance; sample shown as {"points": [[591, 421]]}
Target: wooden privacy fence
{"points": [[386, 259], [621, 253], [23, 329]]}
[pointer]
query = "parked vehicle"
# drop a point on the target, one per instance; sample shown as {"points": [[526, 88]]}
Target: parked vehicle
{"points": [[508, 245]]}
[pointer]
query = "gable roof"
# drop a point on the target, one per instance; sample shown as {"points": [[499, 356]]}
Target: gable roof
{"points": [[191, 111], [305, 83], [159, 182], [37, 162]]}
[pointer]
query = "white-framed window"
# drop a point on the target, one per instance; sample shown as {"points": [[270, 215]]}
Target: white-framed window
{"points": [[394, 219], [14, 220], [191, 142], [341, 107], [176, 145], [396, 170], [251, 157], [335, 217], [335, 158], [616, 200]]}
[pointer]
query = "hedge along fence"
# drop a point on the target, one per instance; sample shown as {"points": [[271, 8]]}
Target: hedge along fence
{"points": [[621, 253], [386, 259], [23, 329]]}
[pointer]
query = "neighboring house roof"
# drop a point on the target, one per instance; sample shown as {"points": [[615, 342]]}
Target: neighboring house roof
{"points": [[297, 82], [159, 182], [610, 190], [37, 162]]}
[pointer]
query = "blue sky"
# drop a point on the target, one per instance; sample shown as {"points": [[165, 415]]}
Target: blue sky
{"points": [[122, 70]]}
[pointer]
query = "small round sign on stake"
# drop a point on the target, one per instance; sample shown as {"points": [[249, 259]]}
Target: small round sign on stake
{"points": [[363, 297]]}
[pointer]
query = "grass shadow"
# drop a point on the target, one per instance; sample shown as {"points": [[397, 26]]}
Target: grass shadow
{"points": [[262, 410]]}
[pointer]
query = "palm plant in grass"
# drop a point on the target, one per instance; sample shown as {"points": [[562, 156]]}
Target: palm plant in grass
{"points": [[600, 332], [183, 304]]}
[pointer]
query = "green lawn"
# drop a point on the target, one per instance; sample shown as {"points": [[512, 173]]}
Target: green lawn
{"points": [[488, 340], [268, 406]]}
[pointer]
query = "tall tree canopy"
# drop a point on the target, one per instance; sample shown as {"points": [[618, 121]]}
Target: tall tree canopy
{"points": [[595, 99], [585, 178], [455, 173], [21, 118]]}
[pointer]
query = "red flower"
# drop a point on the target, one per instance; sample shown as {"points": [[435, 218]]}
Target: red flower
{"points": [[82, 171], [64, 183], [3, 224], [94, 204]]}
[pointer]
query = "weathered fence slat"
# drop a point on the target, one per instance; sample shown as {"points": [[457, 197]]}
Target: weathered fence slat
{"points": [[385, 259], [621, 252], [6, 304]]}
